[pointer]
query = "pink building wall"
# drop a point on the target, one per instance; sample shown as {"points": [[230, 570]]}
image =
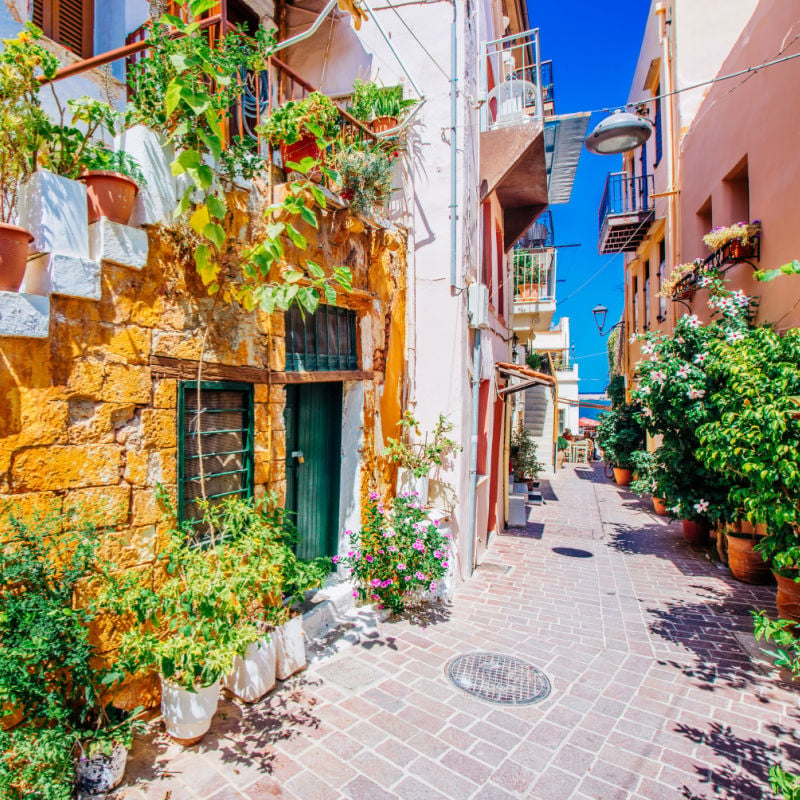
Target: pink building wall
{"points": [[755, 120]]}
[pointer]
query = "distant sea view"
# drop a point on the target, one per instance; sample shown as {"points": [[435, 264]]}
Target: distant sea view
{"points": [[594, 399]]}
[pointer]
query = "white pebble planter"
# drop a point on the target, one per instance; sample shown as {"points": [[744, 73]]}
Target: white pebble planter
{"points": [[187, 715], [101, 773], [254, 675], [290, 648]]}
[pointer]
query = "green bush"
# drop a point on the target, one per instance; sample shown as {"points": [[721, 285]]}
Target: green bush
{"points": [[523, 454], [620, 435]]}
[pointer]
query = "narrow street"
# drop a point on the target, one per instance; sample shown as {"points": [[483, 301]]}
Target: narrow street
{"points": [[644, 640]]}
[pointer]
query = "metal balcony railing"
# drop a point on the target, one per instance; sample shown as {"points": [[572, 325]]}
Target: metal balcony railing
{"points": [[626, 194], [512, 80], [534, 276]]}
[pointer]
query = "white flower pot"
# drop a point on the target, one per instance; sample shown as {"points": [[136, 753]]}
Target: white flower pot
{"points": [[101, 773], [254, 675], [290, 648], [408, 482], [187, 715]]}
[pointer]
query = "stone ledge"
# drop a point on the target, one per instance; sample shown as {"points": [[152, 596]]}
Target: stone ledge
{"points": [[118, 244], [56, 273], [24, 315]]}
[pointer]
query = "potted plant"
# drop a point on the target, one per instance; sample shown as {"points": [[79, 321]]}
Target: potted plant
{"points": [[523, 455], [400, 556], [742, 235], [51, 673], [188, 623], [380, 106], [644, 482], [561, 451], [365, 176], [534, 360], [298, 126], [744, 560], [620, 435], [22, 120], [417, 459], [112, 181]]}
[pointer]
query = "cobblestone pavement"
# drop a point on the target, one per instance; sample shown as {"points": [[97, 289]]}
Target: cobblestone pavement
{"points": [[645, 641]]}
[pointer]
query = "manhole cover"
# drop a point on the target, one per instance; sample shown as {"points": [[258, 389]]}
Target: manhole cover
{"points": [[498, 678]]}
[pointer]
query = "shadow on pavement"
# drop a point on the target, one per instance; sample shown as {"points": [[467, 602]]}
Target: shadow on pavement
{"points": [[533, 530]]}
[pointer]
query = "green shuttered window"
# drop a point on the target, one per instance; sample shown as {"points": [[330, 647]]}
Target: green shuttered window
{"points": [[322, 341], [225, 423]]}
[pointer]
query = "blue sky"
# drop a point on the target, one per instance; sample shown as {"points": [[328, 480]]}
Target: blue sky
{"points": [[594, 47]]}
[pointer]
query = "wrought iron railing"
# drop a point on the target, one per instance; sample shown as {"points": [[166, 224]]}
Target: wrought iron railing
{"points": [[534, 276], [626, 194], [732, 252], [512, 80]]}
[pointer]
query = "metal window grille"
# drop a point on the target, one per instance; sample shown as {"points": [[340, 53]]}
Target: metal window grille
{"points": [[225, 423], [322, 341]]}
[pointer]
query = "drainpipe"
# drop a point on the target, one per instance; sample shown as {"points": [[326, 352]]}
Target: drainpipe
{"points": [[473, 451], [453, 150]]}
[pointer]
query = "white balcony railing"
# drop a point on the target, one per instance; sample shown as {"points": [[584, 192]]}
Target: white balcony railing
{"points": [[534, 276], [511, 80]]}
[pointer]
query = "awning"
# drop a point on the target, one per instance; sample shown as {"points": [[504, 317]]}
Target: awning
{"points": [[528, 377], [587, 422], [563, 143]]}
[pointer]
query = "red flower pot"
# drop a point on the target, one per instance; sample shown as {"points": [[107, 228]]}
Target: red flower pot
{"points": [[110, 195], [745, 563], [14, 243], [304, 147], [788, 598], [660, 506], [623, 476], [695, 531], [381, 124]]}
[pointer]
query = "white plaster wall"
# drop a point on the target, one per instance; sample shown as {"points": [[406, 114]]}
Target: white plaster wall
{"points": [[351, 452]]}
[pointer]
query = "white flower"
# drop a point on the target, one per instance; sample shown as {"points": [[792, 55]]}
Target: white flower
{"points": [[645, 390], [734, 336], [647, 348], [692, 320], [695, 394], [704, 281], [683, 372], [681, 340], [646, 412], [740, 298], [658, 376], [676, 510], [633, 338], [700, 358], [701, 507]]}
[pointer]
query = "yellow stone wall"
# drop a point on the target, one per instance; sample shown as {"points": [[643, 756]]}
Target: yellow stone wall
{"points": [[87, 424]]}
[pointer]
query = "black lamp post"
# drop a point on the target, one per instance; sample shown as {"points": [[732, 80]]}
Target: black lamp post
{"points": [[600, 312]]}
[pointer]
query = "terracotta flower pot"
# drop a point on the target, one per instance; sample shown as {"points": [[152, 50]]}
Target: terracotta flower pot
{"points": [[305, 147], [110, 195], [381, 124], [14, 243], [788, 598], [660, 506], [695, 531], [623, 476], [745, 563]]}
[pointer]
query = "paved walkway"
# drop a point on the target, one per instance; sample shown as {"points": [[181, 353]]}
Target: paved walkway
{"points": [[644, 639]]}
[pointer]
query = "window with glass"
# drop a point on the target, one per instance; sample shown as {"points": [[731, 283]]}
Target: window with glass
{"points": [[215, 446]]}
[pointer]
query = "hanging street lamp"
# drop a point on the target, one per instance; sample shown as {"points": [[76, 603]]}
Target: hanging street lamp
{"points": [[620, 132]]}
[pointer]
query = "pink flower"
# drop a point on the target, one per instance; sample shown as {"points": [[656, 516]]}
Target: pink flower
{"points": [[376, 597], [350, 553], [335, 559], [392, 548], [445, 564], [376, 582], [373, 495], [381, 552], [420, 576], [349, 533], [408, 577], [418, 545], [355, 592], [436, 522], [432, 586], [446, 535], [401, 567], [437, 554], [369, 558]]}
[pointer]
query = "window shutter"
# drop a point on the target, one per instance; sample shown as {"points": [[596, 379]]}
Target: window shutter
{"points": [[68, 22]]}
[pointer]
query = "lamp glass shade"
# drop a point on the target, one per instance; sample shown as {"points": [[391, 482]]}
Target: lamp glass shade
{"points": [[620, 132], [600, 312]]}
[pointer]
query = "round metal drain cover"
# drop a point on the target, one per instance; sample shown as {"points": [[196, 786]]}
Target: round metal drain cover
{"points": [[499, 678]]}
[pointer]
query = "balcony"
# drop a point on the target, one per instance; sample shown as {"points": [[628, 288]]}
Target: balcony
{"points": [[626, 212], [534, 290], [512, 151]]}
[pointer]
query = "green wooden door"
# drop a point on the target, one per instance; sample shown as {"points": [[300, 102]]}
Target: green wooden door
{"points": [[313, 440]]}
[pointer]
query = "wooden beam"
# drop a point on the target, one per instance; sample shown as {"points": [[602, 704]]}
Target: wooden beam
{"points": [[186, 370]]}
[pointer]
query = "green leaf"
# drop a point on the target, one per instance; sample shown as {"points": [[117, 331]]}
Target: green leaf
{"points": [[216, 233], [309, 216], [188, 159], [308, 299], [199, 7], [216, 207], [292, 275], [173, 94], [315, 269], [297, 238], [213, 143]]}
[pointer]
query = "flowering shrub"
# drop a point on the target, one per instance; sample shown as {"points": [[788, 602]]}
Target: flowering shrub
{"points": [[399, 556], [675, 381]]}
